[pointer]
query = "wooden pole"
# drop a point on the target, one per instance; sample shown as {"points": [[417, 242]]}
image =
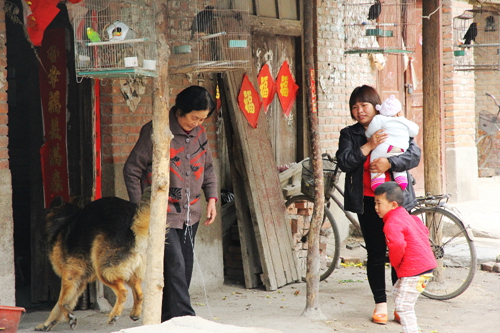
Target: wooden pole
{"points": [[432, 53], [433, 108], [160, 178], [312, 309]]}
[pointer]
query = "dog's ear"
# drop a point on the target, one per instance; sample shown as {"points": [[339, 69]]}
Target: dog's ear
{"points": [[57, 202]]}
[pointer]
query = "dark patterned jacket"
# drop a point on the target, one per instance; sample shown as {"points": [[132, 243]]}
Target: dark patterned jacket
{"points": [[191, 170]]}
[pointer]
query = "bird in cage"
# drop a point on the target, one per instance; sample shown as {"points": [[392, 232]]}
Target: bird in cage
{"points": [[202, 23], [374, 11], [93, 35], [490, 24], [471, 34]]}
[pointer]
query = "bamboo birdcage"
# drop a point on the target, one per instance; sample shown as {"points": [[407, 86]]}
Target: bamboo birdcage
{"points": [[476, 40], [214, 36], [385, 26], [114, 38]]}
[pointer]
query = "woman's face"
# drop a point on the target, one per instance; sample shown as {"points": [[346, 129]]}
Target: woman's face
{"points": [[192, 119], [363, 112]]}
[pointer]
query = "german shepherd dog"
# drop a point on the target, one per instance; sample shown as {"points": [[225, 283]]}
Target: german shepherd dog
{"points": [[105, 240]]}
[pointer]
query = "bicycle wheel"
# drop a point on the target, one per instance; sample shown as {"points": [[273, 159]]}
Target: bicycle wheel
{"points": [[484, 146], [454, 251], [300, 213]]}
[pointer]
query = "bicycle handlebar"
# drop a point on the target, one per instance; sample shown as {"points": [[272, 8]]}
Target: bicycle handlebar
{"points": [[495, 100]]}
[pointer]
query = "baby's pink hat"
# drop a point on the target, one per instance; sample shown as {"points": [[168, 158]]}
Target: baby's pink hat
{"points": [[390, 107]]}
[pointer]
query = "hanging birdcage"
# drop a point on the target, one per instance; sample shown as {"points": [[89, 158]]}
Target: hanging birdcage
{"points": [[476, 40], [373, 26], [114, 38], [210, 36]]}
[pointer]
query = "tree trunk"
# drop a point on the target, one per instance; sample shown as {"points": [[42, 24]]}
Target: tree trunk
{"points": [[312, 309], [160, 179], [432, 91]]}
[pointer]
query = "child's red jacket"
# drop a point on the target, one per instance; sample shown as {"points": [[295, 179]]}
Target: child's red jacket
{"points": [[407, 239]]}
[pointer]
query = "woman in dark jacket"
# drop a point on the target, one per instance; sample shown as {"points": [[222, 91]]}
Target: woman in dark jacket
{"points": [[353, 158]]}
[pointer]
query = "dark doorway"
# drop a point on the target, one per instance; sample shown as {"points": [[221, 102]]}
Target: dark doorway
{"points": [[35, 281]]}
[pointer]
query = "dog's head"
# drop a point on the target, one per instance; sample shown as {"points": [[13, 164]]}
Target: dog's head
{"points": [[59, 215]]}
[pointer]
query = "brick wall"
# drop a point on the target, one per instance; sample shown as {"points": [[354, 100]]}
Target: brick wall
{"points": [[459, 98], [338, 74]]}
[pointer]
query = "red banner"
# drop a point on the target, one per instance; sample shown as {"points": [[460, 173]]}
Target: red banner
{"points": [[267, 86], [53, 153], [312, 84], [287, 88], [249, 101]]}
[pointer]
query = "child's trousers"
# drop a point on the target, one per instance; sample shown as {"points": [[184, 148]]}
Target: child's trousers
{"points": [[406, 292]]}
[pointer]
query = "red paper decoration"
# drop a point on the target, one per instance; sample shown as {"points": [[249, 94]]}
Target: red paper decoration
{"points": [[287, 88], [249, 101], [218, 102], [267, 86]]}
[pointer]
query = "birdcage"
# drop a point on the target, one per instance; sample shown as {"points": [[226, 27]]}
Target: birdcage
{"points": [[114, 38], [476, 40], [373, 26], [210, 36]]}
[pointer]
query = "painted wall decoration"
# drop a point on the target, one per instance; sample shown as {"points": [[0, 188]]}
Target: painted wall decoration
{"points": [[53, 153], [286, 88], [249, 101], [267, 86]]}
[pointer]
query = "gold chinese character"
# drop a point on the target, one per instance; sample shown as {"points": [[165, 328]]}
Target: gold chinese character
{"points": [[248, 101], [284, 86], [264, 86], [53, 53], [54, 132], [55, 157], [54, 105], [53, 76], [56, 185]]}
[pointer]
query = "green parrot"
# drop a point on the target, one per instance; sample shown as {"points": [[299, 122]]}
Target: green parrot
{"points": [[93, 35]]}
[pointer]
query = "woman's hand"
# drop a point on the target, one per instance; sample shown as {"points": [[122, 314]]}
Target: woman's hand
{"points": [[211, 211], [377, 138], [380, 165]]}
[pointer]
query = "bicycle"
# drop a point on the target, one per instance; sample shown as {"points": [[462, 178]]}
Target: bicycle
{"points": [[453, 245], [488, 123], [448, 235]]}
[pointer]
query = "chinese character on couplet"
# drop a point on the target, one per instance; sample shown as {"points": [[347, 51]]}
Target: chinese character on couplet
{"points": [[54, 103], [53, 76], [284, 86], [55, 157], [54, 133], [53, 53], [56, 184], [264, 86], [249, 101]]}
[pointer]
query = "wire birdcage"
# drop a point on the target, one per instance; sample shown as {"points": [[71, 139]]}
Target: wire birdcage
{"points": [[114, 38], [476, 40], [214, 36], [373, 26]]}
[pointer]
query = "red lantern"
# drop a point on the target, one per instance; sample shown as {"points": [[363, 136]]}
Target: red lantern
{"points": [[267, 86], [287, 88], [249, 101]]}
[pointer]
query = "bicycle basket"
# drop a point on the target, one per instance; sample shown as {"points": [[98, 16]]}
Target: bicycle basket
{"points": [[329, 176], [488, 122]]}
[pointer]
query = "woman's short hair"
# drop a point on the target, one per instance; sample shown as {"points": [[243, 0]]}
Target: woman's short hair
{"points": [[194, 98], [364, 94]]}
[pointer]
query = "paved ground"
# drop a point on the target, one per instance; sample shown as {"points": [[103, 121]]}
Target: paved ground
{"points": [[345, 298]]}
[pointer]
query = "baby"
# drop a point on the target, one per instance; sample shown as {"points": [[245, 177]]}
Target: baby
{"points": [[399, 130]]}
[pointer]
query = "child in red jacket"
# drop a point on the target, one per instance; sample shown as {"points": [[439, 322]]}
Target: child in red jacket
{"points": [[409, 252]]}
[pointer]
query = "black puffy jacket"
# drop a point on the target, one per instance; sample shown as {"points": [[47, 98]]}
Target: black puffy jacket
{"points": [[350, 159]]}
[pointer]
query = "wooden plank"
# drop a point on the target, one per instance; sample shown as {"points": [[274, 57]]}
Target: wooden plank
{"points": [[263, 189], [249, 251]]}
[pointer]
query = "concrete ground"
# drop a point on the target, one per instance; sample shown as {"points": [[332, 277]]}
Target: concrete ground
{"points": [[345, 298]]}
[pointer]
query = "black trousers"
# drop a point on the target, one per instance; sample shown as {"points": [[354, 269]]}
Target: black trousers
{"points": [[372, 227], [178, 269]]}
